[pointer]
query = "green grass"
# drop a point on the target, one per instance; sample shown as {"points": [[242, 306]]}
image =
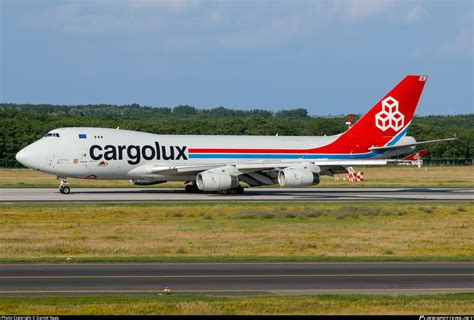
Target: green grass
{"points": [[213, 305], [235, 231], [243, 259]]}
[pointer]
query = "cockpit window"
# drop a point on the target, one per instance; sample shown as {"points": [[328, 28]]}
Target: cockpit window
{"points": [[51, 134]]}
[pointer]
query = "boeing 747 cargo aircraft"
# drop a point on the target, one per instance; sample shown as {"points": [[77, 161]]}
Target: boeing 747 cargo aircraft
{"points": [[220, 163]]}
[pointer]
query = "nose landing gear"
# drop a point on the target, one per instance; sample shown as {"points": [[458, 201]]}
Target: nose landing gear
{"points": [[63, 186]]}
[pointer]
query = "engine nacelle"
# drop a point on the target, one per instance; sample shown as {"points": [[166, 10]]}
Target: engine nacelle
{"points": [[297, 178], [216, 181], [135, 182]]}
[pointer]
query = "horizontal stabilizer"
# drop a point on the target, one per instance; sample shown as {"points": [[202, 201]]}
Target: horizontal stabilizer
{"points": [[402, 146], [417, 155]]}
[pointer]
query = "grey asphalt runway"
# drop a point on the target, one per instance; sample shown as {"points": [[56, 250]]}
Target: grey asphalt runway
{"points": [[18, 195], [237, 278]]}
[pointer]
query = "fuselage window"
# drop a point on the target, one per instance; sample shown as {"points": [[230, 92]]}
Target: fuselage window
{"points": [[51, 135]]}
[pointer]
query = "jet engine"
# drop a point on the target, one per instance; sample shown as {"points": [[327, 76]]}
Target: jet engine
{"points": [[216, 181], [135, 182], [291, 177]]}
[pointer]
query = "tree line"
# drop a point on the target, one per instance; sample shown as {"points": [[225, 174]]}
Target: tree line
{"points": [[21, 124], [135, 111]]}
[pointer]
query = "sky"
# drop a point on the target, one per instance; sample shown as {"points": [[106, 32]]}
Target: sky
{"points": [[330, 57]]}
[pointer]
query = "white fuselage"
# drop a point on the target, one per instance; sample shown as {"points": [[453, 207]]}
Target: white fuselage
{"points": [[101, 153]]}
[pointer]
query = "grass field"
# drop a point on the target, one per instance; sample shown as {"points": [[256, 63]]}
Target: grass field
{"points": [[391, 176], [182, 305], [239, 231], [236, 231]]}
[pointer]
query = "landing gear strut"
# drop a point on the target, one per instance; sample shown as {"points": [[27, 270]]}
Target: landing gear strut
{"points": [[64, 186]]}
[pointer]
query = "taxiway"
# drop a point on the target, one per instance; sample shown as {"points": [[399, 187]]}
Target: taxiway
{"points": [[18, 195], [237, 278]]}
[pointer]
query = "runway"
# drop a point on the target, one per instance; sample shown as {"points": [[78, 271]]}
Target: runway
{"points": [[237, 278], [19, 195]]}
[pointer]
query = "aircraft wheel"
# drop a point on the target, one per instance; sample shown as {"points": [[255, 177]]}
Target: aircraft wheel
{"points": [[192, 188], [65, 190], [239, 189]]}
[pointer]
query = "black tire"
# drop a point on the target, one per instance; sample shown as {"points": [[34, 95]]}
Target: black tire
{"points": [[192, 188], [65, 190], [239, 189]]}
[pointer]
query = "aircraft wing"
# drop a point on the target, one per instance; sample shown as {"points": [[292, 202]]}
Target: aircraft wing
{"points": [[402, 146], [255, 173], [258, 166]]}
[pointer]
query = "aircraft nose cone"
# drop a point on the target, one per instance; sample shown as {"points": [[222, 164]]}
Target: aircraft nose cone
{"points": [[33, 155], [24, 156], [21, 156]]}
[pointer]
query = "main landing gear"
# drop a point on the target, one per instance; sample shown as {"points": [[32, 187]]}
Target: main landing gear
{"points": [[64, 186], [237, 190], [193, 188]]}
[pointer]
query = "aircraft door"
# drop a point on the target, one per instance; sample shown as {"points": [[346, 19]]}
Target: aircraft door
{"points": [[83, 158], [52, 159]]}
